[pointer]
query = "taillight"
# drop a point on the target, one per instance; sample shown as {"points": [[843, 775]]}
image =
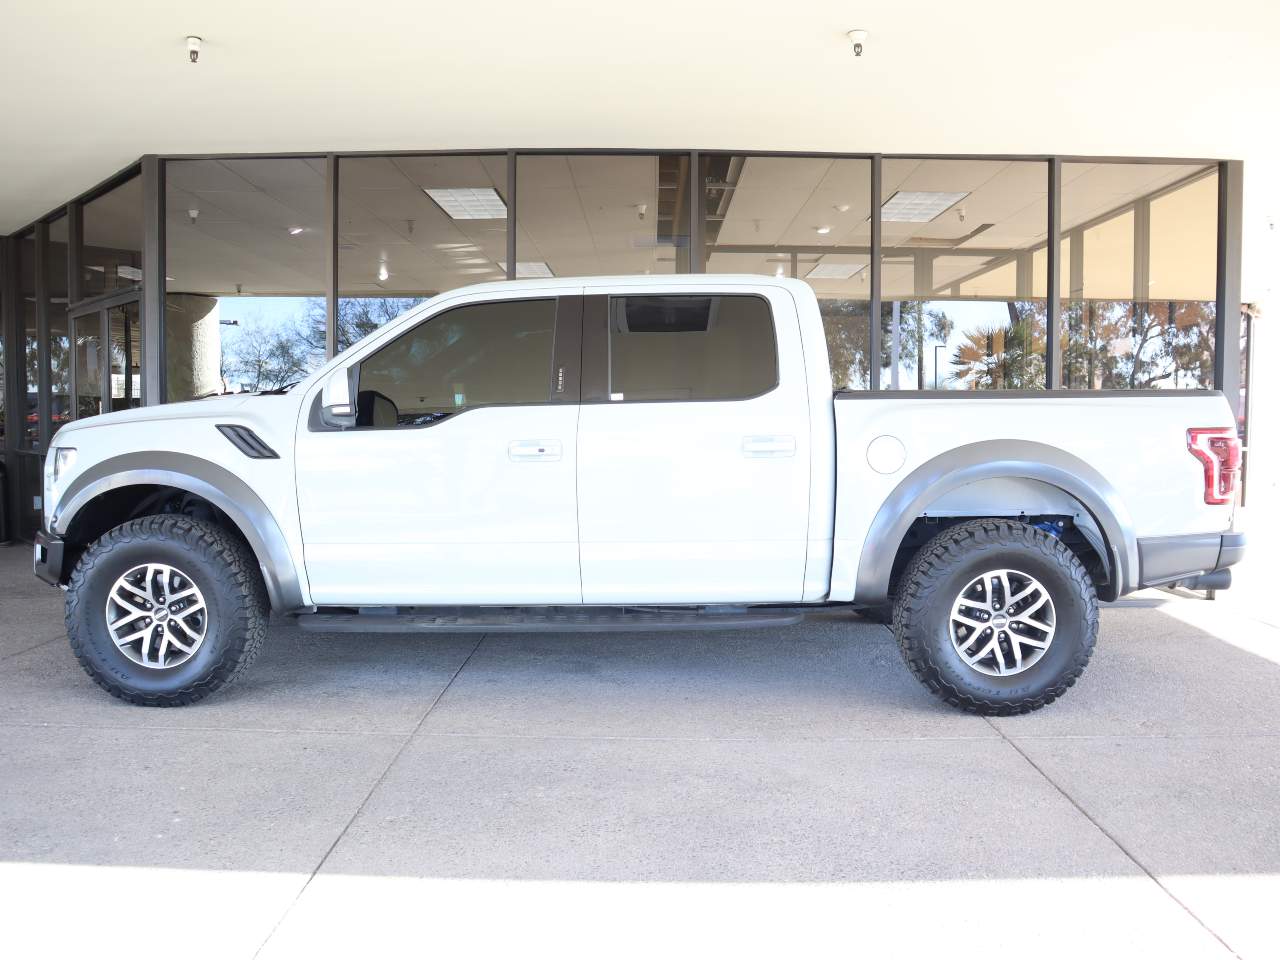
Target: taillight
{"points": [[1218, 450]]}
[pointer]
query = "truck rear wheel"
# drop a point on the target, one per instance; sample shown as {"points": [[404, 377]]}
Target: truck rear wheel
{"points": [[162, 611], [996, 617]]}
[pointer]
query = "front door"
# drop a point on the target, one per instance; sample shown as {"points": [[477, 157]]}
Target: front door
{"points": [[458, 483], [693, 450]]}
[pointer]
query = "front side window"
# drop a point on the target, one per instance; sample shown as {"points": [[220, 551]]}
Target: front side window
{"points": [[691, 348], [481, 354]]}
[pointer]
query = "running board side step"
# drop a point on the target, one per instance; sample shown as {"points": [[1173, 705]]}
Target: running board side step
{"points": [[565, 619]]}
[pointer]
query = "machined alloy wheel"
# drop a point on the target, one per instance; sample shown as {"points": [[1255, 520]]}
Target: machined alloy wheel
{"points": [[164, 610], [996, 616], [1002, 622], [157, 615]]}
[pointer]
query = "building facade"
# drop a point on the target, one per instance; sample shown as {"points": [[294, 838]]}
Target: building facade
{"points": [[185, 276]]}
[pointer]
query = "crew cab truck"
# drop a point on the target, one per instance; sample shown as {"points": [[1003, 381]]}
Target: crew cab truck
{"points": [[628, 453]]}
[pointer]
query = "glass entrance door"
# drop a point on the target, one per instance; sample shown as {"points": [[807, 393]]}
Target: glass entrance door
{"points": [[108, 358]]}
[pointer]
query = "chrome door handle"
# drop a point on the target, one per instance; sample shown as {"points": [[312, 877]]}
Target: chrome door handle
{"points": [[769, 446], [519, 450]]}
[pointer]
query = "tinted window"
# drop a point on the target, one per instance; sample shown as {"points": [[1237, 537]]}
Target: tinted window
{"points": [[483, 353], [690, 348]]}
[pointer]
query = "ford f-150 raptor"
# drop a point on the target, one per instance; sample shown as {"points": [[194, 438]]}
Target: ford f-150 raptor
{"points": [[628, 453]]}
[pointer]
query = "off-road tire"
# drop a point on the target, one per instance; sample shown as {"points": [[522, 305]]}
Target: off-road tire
{"points": [[933, 580], [222, 567]]}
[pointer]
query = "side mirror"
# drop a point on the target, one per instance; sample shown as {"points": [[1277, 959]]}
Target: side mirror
{"points": [[337, 408]]}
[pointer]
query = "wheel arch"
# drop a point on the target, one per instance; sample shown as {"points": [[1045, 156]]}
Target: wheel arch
{"points": [[201, 478], [997, 460]]}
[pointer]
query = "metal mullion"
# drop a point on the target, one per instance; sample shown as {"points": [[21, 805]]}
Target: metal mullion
{"points": [[104, 358], [75, 236], [42, 335], [697, 216], [873, 364], [512, 160], [1053, 305], [331, 256]]}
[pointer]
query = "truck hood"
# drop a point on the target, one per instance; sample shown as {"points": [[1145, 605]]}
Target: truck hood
{"points": [[210, 408]]}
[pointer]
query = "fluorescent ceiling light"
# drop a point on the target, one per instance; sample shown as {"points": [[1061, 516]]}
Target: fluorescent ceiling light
{"points": [[469, 203], [918, 206], [529, 269], [834, 271]]}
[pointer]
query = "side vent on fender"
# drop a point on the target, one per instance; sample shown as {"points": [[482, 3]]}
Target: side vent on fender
{"points": [[247, 442]]}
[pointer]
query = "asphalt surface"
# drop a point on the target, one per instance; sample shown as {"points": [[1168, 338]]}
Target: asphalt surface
{"points": [[791, 791]]}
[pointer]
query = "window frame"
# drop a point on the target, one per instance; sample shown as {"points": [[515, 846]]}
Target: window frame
{"points": [[564, 337], [597, 356]]}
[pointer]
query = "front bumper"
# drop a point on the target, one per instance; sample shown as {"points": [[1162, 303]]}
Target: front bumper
{"points": [[1198, 559], [48, 557]]}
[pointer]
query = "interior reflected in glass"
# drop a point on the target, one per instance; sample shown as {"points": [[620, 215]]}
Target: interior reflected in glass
{"points": [[1139, 269], [412, 227], [805, 217], [963, 290], [245, 266]]}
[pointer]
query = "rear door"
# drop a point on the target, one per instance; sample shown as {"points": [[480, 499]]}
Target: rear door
{"points": [[693, 449]]}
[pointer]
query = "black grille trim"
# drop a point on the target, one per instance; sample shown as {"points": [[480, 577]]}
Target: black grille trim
{"points": [[247, 442]]}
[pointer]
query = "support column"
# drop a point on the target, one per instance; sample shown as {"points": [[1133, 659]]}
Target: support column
{"points": [[1226, 352], [153, 282]]}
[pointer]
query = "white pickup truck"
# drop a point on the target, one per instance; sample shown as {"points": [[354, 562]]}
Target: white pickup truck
{"points": [[628, 453]]}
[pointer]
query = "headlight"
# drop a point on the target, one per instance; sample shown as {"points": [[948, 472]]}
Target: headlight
{"points": [[57, 466], [64, 458]]}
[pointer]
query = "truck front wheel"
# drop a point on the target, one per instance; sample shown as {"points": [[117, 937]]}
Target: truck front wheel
{"points": [[996, 617], [164, 610]]}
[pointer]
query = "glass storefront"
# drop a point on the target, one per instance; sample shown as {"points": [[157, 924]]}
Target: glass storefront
{"points": [[411, 227], [952, 296], [805, 217], [244, 274], [964, 303], [1140, 263]]}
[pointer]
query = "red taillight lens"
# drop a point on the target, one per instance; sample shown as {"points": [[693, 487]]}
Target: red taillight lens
{"points": [[1218, 450]]}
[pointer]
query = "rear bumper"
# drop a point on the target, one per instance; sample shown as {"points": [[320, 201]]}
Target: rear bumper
{"points": [[1196, 556], [48, 558]]}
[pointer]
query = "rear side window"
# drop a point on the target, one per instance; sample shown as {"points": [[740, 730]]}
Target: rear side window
{"points": [[477, 355], [691, 348]]}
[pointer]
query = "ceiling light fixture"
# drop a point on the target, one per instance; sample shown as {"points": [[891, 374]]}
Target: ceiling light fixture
{"points": [[918, 206], [193, 48], [823, 230], [858, 38], [834, 271], [842, 207], [294, 231], [469, 203], [383, 273], [192, 214]]}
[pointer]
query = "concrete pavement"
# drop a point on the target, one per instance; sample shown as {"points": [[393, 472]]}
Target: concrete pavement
{"points": [[753, 793]]}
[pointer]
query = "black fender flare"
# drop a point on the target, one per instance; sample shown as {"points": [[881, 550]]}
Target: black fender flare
{"points": [[205, 479], [986, 460]]}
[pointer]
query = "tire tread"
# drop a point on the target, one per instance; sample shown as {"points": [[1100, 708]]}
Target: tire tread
{"points": [[916, 597], [246, 630]]}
